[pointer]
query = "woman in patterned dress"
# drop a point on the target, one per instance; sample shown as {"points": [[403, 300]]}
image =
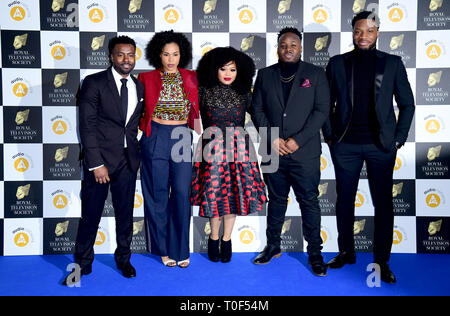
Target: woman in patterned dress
{"points": [[226, 180], [171, 107]]}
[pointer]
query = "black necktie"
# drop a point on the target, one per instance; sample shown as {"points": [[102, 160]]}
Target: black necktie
{"points": [[124, 97]]}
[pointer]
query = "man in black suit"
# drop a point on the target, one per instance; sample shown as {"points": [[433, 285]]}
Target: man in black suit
{"points": [[292, 96], [110, 105], [362, 127]]}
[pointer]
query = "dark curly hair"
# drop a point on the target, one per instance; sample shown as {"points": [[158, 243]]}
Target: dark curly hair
{"points": [[289, 30], [159, 40], [210, 63]]}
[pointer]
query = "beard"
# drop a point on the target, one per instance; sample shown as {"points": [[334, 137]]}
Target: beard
{"points": [[371, 47]]}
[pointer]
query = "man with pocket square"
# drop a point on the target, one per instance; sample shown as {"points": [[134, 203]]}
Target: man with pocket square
{"points": [[292, 96], [110, 105]]}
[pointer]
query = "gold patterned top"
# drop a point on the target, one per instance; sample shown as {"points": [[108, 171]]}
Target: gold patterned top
{"points": [[173, 104]]}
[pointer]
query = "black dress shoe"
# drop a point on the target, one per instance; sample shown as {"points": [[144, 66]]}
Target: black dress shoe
{"points": [[318, 267], [267, 255], [342, 259], [213, 250], [386, 274], [71, 279], [128, 270], [225, 251]]}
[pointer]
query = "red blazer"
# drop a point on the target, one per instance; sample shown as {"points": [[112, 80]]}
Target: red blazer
{"points": [[153, 85]]}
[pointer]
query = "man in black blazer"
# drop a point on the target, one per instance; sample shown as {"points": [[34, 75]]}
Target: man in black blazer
{"points": [[110, 105], [292, 96], [362, 127]]}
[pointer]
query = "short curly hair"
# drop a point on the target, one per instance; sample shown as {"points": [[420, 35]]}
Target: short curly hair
{"points": [[210, 63], [159, 40], [289, 30]]}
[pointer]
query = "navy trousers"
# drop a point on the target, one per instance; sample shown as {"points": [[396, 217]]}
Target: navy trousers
{"points": [[166, 185]]}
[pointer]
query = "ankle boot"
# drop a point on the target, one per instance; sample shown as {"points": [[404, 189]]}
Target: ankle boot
{"points": [[213, 250], [225, 250]]}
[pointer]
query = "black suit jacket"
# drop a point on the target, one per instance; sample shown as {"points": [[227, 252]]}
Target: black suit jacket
{"points": [[391, 81], [305, 112], [102, 123]]}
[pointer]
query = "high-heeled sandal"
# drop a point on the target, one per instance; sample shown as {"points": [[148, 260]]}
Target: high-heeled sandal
{"points": [[184, 264], [169, 263]]}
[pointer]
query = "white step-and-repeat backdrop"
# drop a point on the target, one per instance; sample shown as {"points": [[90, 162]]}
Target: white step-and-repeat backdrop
{"points": [[49, 46]]}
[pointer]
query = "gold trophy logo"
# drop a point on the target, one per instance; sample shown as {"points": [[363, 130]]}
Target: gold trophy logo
{"points": [[434, 227], [98, 42], [435, 4], [397, 42], [323, 189], [134, 6], [284, 6], [23, 191], [61, 154], [397, 189], [60, 80], [247, 43], [22, 117], [57, 5], [138, 227], [286, 227], [207, 229], [321, 43], [358, 6], [20, 41], [359, 226], [434, 152], [61, 228], [209, 6], [434, 78]]}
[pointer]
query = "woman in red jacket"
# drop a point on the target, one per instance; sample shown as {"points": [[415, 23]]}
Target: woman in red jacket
{"points": [[171, 108]]}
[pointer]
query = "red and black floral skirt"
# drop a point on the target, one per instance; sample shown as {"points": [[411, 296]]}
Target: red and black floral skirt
{"points": [[226, 178]]}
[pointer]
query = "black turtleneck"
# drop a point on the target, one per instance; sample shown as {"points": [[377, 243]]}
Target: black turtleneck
{"points": [[286, 71], [364, 126]]}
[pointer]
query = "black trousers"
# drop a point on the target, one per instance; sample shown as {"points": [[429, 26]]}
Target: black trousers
{"points": [[304, 178], [93, 196], [348, 160]]}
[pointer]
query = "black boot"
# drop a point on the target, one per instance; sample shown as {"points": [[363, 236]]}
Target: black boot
{"points": [[213, 250], [225, 250]]}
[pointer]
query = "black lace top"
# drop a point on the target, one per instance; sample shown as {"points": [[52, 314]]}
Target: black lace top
{"points": [[223, 107]]}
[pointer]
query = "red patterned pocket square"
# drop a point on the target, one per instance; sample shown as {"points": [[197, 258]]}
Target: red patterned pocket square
{"points": [[306, 84]]}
